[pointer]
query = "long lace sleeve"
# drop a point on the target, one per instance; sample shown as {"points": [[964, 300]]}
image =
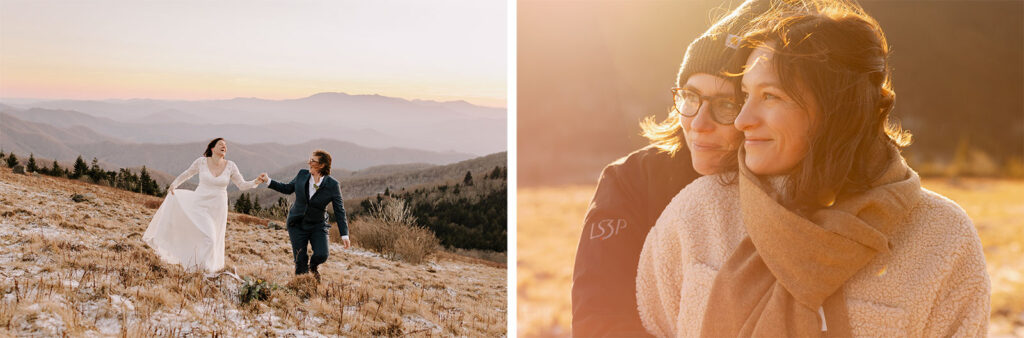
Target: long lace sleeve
{"points": [[191, 171], [237, 178]]}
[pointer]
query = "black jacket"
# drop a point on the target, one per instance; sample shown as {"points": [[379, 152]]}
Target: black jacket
{"points": [[309, 212], [631, 194]]}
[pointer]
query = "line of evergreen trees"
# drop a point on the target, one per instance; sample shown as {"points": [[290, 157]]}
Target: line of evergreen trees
{"points": [[123, 179], [249, 204]]}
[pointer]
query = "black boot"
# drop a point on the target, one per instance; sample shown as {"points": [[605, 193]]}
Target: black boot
{"points": [[316, 272]]}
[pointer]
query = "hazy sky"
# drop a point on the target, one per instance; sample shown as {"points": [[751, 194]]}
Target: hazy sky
{"points": [[435, 50]]}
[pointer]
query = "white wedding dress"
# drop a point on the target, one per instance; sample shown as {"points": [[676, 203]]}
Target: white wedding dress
{"points": [[188, 228]]}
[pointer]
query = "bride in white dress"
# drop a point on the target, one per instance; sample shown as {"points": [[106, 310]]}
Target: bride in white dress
{"points": [[188, 228]]}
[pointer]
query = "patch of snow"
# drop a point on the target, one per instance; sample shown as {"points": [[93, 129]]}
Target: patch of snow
{"points": [[38, 323], [297, 333], [269, 318], [47, 231], [121, 302], [363, 253], [312, 320], [59, 299], [9, 257], [178, 322], [419, 323], [108, 325], [91, 309]]}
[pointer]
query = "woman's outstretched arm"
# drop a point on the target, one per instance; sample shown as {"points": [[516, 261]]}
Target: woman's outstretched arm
{"points": [[240, 181], [191, 171]]}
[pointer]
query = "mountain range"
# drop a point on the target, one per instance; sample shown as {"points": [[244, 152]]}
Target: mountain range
{"points": [[68, 142], [368, 120]]}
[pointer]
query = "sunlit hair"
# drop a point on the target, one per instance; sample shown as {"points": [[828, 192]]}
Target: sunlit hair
{"points": [[667, 135], [209, 147], [839, 56], [324, 160]]}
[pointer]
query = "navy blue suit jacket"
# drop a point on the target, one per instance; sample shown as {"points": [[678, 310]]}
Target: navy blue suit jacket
{"points": [[309, 212]]}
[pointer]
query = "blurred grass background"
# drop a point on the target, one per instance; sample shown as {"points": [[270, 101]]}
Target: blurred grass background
{"points": [[551, 219]]}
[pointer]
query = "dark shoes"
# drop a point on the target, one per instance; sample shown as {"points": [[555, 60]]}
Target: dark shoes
{"points": [[316, 273]]}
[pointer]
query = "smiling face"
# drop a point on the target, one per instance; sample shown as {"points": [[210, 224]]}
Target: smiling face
{"points": [[776, 129], [711, 144], [314, 164], [220, 149]]}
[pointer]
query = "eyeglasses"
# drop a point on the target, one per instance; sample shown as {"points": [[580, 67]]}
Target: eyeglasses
{"points": [[724, 109]]}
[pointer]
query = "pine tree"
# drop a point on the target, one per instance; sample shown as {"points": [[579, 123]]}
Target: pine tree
{"points": [[56, 170], [12, 160], [2, 154], [242, 204], [468, 181], [80, 168], [148, 185], [95, 173], [495, 174], [31, 166], [256, 204], [110, 176]]}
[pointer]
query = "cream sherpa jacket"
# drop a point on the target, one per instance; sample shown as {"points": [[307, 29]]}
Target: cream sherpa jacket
{"points": [[932, 283]]}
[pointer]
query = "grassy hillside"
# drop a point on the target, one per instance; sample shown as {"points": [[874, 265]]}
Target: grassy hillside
{"points": [[469, 212], [81, 269]]}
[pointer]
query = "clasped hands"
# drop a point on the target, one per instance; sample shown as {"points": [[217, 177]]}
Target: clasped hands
{"points": [[263, 178]]}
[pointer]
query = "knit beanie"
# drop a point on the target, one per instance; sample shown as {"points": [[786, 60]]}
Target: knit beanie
{"points": [[713, 50]]}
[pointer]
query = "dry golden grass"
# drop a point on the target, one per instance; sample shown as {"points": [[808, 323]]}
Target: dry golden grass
{"points": [[81, 269], [551, 218], [549, 225]]}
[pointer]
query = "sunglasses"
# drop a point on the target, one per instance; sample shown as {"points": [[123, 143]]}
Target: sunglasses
{"points": [[724, 109]]}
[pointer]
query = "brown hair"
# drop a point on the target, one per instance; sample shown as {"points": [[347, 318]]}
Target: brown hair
{"points": [[209, 147], [325, 160], [839, 56]]}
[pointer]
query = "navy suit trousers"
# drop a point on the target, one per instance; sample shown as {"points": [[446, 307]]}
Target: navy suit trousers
{"points": [[317, 238]]}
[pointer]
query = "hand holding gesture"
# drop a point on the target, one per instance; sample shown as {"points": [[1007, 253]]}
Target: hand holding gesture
{"points": [[263, 178]]}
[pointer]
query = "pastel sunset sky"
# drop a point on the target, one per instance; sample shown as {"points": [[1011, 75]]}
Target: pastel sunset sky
{"points": [[197, 50]]}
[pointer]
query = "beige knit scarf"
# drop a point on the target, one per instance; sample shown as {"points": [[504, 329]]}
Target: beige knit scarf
{"points": [[788, 272]]}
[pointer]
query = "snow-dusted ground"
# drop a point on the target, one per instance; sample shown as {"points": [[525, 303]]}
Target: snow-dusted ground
{"points": [[42, 230]]}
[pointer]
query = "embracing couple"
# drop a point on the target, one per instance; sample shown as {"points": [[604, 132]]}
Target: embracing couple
{"points": [[774, 201], [189, 226]]}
